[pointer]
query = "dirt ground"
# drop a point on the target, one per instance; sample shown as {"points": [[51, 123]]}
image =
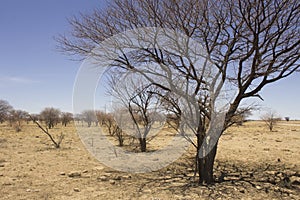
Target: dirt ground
{"points": [[251, 163]]}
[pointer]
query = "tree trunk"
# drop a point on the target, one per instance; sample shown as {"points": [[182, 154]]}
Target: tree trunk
{"points": [[143, 144], [204, 166]]}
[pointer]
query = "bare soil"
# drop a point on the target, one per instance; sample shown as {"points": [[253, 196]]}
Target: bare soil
{"points": [[251, 163]]}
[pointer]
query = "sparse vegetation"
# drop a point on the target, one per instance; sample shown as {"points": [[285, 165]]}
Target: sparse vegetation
{"points": [[270, 118]]}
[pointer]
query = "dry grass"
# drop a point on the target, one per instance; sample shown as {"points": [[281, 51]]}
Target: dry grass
{"points": [[31, 168]]}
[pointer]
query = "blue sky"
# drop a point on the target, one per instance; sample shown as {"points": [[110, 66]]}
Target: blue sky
{"points": [[34, 75]]}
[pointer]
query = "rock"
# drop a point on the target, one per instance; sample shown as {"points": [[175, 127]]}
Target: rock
{"points": [[271, 180], [242, 191], [62, 173], [76, 190], [279, 174], [112, 182], [295, 180], [2, 165], [117, 178], [107, 174], [231, 178], [258, 187], [271, 172], [147, 191], [98, 168], [177, 184], [126, 177], [103, 178], [263, 179], [74, 174], [85, 171], [28, 190]]}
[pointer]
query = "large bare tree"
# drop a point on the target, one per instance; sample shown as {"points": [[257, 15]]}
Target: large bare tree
{"points": [[248, 43]]}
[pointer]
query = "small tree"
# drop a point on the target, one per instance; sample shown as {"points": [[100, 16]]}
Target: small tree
{"points": [[50, 116], [270, 119], [66, 118], [287, 119]]}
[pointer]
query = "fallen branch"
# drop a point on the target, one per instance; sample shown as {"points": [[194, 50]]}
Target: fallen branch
{"points": [[56, 143]]}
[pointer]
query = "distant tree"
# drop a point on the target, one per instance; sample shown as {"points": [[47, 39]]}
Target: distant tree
{"points": [[66, 118], [50, 116], [5, 109], [78, 118], [34, 117], [287, 119], [107, 121], [16, 118], [89, 116], [270, 118], [241, 116]]}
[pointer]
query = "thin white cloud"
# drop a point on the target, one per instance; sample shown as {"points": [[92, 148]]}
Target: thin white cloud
{"points": [[16, 79]]}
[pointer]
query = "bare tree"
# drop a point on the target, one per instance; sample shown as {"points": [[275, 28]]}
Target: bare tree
{"points": [[271, 118], [5, 108], [250, 44], [50, 116], [108, 121], [66, 118], [16, 118], [89, 116], [139, 98]]}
